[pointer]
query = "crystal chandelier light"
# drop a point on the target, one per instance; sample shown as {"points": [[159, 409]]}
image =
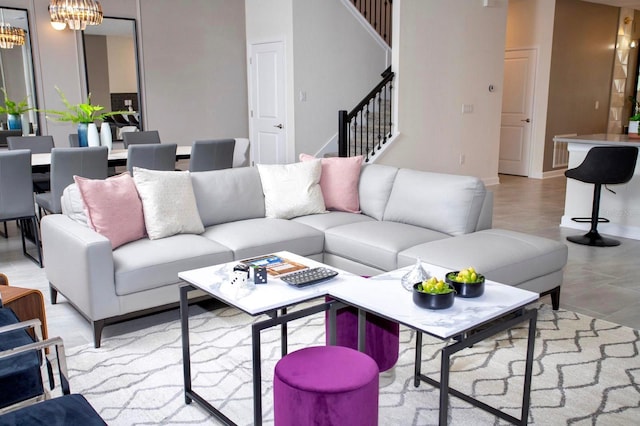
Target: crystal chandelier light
{"points": [[77, 14], [10, 36]]}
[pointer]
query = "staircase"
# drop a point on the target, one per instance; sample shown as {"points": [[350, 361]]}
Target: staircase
{"points": [[367, 127]]}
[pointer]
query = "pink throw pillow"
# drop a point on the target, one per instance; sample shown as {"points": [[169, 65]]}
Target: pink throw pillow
{"points": [[339, 182], [113, 208]]}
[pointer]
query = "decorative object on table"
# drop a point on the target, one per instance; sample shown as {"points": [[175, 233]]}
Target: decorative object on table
{"points": [[93, 138], [259, 274], [239, 284], [82, 113], [415, 275], [14, 110], [105, 135], [466, 282], [433, 294], [76, 14]]}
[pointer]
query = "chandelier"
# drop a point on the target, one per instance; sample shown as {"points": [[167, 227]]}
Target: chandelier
{"points": [[77, 14], [10, 36]]}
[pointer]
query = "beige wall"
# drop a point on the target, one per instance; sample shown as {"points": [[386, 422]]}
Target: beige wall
{"points": [[530, 26], [122, 64], [581, 67], [446, 54]]}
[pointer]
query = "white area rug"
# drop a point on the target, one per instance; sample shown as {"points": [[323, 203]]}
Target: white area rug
{"points": [[586, 371]]}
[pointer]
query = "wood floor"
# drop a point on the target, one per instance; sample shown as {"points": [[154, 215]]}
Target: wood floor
{"points": [[599, 282]]}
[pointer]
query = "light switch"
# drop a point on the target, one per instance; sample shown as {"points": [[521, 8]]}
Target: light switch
{"points": [[303, 96], [467, 108]]}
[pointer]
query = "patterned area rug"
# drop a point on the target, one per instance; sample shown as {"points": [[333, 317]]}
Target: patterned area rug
{"points": [[586, 371]]}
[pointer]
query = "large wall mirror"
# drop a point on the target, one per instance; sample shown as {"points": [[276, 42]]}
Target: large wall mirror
{"points": [[111, 64], [16, 70]]}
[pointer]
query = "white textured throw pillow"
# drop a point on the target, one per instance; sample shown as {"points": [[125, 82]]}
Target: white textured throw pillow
{"points": [[292, 190], [168, 203]]}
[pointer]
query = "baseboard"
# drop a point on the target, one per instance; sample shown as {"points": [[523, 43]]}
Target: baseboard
{"points": [[613, 229]]}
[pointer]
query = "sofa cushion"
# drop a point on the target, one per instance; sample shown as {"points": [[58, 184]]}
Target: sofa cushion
{"points": [[325, 221], [146, 264], [504, 256], [374, 189], [254, 237], [291, 190], [168, 203], [339, 182], [375, 243], [72, 204], [446, 203], [228, 195], [113, 208]]}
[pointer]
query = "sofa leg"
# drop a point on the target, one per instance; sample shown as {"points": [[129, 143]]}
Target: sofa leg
{"points": [[555, 298], [53, 294], [97, 332]]}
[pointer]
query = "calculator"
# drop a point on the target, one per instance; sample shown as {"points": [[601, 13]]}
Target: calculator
{"points": [[309, 276]]}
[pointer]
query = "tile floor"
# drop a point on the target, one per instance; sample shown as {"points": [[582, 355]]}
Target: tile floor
{"points": [[598, 282]]}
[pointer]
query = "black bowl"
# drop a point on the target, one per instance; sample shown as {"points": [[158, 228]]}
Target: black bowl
{"points": [[432, 301], [475, 289]]}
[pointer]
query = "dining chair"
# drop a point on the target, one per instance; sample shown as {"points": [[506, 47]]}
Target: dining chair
{"points": [[211, 155], [146, 137], [4, 134], [90, 162], [151, 156], [16, 196], [37, 145], [74, 140]]}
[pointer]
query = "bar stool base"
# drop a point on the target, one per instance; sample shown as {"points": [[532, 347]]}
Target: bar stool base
{"points": [[593, 239]]}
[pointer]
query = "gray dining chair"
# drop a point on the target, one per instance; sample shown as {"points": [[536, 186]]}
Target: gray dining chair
{"points": [[74, 140], [16, 197], [146, 137], [212, 155], [151, 156], [90, 162], [4, 134], [37, 145]]}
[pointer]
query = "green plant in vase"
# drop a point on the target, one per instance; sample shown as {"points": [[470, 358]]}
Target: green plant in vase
{"points": [[634, 120], [14, 110], [82, 114]]}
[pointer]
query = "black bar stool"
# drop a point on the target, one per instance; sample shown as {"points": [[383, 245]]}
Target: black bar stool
{"points": [[603, 165]]}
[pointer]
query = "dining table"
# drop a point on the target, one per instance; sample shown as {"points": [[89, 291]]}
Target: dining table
{"points": [[117, 157]]}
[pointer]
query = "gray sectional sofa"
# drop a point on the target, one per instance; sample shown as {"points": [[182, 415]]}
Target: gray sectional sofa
{"points": [[442, 219]]}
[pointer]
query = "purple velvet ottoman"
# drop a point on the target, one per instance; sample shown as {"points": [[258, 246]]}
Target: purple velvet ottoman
{"points": [[383, 336], [326, 385]]}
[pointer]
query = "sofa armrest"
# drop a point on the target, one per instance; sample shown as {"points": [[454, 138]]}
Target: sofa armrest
{"points": [[79, 264], [485, 221]]}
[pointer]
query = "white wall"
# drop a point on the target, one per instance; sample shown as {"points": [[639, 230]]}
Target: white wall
{"points": [[270, 21], [193, 60], [337, 63], [446, 54], [530, 26]]}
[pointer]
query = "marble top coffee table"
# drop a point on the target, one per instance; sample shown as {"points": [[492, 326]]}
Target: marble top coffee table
{"points": [[467, 322]]}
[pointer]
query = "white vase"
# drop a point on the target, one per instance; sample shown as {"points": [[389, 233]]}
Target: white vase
{"points": [[25, 124], [105, 136], [633, 128], [93, 139]]}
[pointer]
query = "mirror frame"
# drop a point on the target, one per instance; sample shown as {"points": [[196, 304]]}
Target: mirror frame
{"points": [[34, 95], [137, 63]]}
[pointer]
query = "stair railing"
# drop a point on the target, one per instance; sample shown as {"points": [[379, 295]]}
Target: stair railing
{"points": [[366, 128], [378, 13]]}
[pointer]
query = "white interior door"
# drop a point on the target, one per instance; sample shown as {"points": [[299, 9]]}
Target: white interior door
{"points": [[517, 108], [267, 92]]}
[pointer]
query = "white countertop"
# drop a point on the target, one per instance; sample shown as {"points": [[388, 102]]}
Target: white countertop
{"points": [[600, 139]]}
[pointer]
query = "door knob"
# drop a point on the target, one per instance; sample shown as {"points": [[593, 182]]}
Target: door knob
{"points": [[279, 126], [528, 120]]}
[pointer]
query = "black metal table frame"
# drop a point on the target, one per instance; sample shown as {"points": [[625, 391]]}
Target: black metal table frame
{"points": [[281, 318], [467, 340]]}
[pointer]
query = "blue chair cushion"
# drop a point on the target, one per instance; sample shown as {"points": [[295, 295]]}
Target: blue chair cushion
{"points": [[20, 377], [65, 410]]}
